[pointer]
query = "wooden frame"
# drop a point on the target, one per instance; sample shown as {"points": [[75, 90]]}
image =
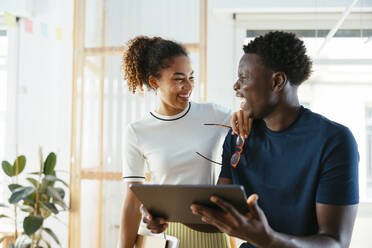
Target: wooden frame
{"points": [[76, 141], [80, 54]]}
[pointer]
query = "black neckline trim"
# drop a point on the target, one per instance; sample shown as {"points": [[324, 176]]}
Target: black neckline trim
{"points": [[172, 119]]}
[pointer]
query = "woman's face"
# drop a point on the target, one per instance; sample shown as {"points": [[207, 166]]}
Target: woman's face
{"points": [[175, 86]]}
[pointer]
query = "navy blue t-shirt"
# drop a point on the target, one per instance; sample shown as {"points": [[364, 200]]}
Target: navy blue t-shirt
{"points": [[313, 160]]}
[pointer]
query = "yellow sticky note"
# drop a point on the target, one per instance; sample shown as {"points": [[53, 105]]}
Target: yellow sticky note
{"points": [[9, 19], [59, 34]]}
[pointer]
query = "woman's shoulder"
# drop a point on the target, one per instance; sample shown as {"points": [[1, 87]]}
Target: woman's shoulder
{"points": [[210, 107], [140, 124]]}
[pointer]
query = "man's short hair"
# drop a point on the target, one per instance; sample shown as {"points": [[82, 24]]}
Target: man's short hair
{"points": [[284, 52]]}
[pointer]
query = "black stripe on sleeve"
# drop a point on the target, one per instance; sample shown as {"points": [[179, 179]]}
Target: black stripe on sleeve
{"points": [[134, 177]]}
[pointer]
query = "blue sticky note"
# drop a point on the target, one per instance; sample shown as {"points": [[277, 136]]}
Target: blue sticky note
{"points": [[44, 29]]}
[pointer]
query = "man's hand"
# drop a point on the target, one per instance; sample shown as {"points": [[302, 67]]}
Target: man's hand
{"points": [[241, 124], [252, 227], [155, 225]]}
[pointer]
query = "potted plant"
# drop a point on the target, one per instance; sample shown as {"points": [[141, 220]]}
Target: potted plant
{"points": [[42, 198]]}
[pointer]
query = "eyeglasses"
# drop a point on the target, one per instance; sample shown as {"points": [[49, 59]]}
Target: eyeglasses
{"points": [[235, 158]]}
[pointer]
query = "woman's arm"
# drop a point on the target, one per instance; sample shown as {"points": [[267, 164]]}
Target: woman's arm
{"points": [[130, 219]]}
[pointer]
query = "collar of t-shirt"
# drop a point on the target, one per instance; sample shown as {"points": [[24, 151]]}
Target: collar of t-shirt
{"points": [[287, 129]]}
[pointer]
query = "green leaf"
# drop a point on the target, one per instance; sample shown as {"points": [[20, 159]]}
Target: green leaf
{"points": [[33, 181], [32, 223], [54, 194], [61, 192], [21, 165], [44, 185], [61, 203], [30, 199], [4, 216], [27, 209], [50, 206], [34, 173], [54, 178], [20, 193], [14, 186], [3, 205], [7, 168], [52, 234], [50, 163]]}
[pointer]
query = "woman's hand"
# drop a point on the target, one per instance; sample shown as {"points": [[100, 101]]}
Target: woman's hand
{"points": [[155, 225], [241, 123]]}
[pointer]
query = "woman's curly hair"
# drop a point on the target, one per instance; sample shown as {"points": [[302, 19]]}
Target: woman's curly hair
{"points": [[282, 51], [145, 56]]}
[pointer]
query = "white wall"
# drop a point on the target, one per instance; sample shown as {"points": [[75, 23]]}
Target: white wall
{"points": [[44, 92]]}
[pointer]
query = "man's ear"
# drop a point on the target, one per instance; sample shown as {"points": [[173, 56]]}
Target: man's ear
{"points": [[153, 82], [279, 81]]}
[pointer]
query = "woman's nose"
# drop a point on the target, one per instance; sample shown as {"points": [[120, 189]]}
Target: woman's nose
{"points": [[189, 84]]}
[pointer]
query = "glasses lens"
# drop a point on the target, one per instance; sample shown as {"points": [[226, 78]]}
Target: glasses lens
{"points": [[239, 141], [235, 158]]}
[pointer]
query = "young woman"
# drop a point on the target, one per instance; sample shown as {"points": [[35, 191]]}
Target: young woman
{"points": [[164, 143]]}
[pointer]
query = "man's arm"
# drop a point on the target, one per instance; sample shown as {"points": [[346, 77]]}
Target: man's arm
{"points": [[335, 225], [335, 228]]}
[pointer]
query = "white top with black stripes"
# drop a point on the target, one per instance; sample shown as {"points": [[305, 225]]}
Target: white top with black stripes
{"points": [[166, 146]]}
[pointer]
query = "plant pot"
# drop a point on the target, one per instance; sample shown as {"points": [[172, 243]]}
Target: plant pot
{"points": [[10, 239]]}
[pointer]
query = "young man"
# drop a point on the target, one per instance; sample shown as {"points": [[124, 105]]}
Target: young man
{"points": [[303, 167]]}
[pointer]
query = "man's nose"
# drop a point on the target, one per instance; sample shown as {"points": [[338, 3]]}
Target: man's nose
{"points": [[236, 86]]}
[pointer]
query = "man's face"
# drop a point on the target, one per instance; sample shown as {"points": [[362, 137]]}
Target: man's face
{"points": [[255, 86]]}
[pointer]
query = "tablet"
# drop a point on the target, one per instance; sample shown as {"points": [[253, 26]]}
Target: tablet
{"points": [[173, 202]]}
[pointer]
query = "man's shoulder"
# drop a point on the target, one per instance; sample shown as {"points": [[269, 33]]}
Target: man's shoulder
{"points": [[322, 124], [309, 124]]}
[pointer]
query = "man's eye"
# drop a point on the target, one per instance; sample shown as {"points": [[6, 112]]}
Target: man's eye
{"points": [[192, 78], [178, 79]]}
